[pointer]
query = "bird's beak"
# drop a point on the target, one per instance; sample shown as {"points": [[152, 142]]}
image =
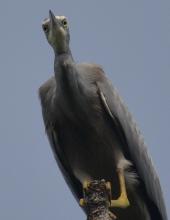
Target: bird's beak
{"points": [[53, 21]]}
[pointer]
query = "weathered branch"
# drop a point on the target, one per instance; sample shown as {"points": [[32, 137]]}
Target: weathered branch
{"points": [[97, 201]]}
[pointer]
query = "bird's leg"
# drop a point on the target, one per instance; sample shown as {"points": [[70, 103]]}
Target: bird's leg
{"points": [[122, 201]]}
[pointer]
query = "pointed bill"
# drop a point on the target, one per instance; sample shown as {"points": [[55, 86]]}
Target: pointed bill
{"points": [[53, 20]]}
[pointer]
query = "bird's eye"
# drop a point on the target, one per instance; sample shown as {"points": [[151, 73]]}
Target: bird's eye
{"points": [[45, 28], [64, 22]]}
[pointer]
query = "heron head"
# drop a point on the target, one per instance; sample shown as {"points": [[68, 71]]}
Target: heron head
{"points": [[57, 32]]}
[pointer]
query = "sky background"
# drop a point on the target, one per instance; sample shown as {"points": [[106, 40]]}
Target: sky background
{"points": [[130, 39]]}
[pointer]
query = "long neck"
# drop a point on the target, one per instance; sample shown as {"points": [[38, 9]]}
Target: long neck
{"points": [[65, 71], [61, 59]]}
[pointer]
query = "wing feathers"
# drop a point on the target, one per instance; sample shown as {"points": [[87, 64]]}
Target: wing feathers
{"points": [[135, 148]]}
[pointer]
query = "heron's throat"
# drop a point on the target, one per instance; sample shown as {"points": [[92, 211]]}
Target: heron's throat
{"points": [[61, 49], [61, 44]]}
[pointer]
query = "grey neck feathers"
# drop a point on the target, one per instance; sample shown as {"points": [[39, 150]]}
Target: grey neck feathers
{"points": [[65, 72]]}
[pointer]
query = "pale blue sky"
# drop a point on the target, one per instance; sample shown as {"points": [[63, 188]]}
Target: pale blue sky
{"points": [[130, 39]]}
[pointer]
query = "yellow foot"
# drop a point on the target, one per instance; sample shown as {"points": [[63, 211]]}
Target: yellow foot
{"points": [[85, 187], [82, 202], [122, 201]]}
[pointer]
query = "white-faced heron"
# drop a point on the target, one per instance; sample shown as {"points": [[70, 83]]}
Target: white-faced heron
{"points": [[92, 134]]}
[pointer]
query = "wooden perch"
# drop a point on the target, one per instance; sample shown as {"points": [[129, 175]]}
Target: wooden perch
{"points": [[97, 201]]}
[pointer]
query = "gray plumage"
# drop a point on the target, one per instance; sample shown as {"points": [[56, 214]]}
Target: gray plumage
{"points": [[92, 133]]}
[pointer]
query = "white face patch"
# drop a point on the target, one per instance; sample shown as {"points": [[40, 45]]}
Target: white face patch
{"points": [[57, 37], [60, 17]]}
